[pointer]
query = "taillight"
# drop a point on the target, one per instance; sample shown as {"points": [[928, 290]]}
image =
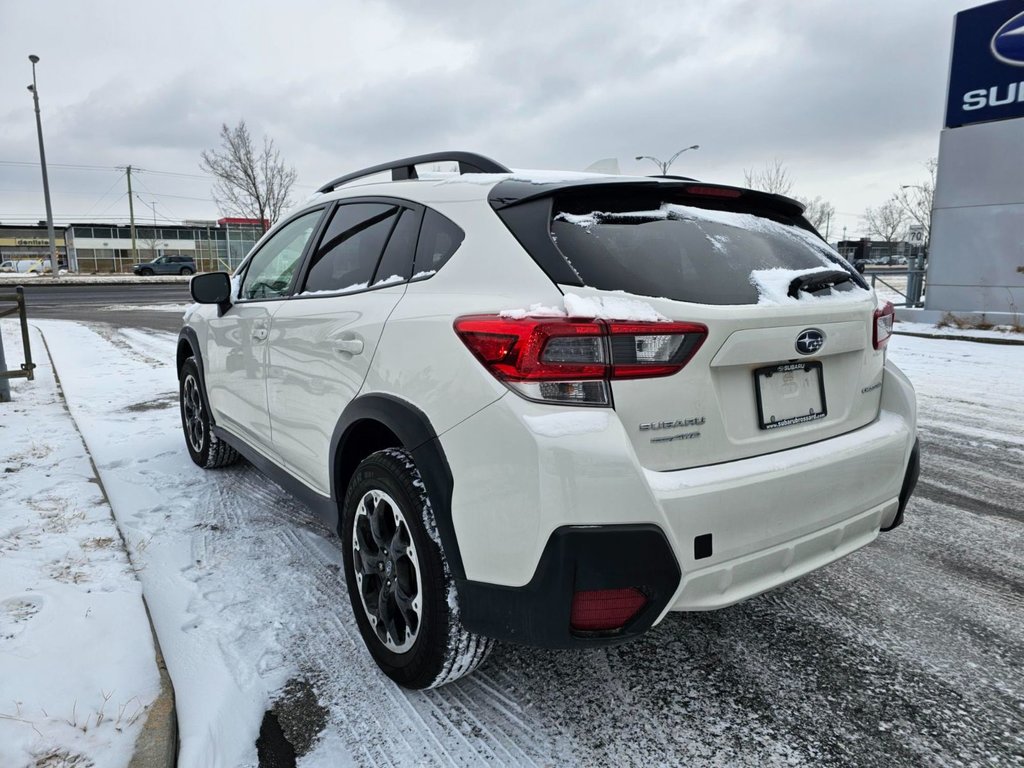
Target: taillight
{"points": [[883, 324], [571, 361]]}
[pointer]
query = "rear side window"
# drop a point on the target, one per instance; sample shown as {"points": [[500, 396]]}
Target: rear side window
{"points": [[396, 263], [439, 239], [682, 252], [347, 255]]}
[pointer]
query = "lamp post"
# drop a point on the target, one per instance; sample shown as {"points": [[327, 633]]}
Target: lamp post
{"points": [[663, 166], [54, 265]]}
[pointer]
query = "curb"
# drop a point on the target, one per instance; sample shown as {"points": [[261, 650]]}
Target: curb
{"points": [[954, 337], [157, 744]]}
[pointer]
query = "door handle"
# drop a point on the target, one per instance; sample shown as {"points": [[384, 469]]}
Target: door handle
{"points": [[259, 334], [350, 346]]}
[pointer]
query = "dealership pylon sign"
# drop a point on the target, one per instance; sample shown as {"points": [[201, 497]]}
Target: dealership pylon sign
{"points": [[986, 74]]}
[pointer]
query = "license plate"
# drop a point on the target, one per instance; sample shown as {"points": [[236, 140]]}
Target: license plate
{"points": [[791, 393]]}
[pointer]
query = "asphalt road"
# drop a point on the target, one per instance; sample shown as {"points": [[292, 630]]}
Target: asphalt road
{"points": [[98, 303]]}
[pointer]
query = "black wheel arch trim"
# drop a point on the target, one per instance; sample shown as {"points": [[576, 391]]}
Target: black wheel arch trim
{"points": [[909, 484], [189, 336], [416, 434]]}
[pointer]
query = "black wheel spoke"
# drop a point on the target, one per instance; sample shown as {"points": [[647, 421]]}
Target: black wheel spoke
{"points": [[369, 555], [377, 525], [398, 547], [386, 615], [405, 606]]}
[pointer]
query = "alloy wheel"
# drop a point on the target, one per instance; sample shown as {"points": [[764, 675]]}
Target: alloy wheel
{"points": [[387, 571], [194, 417]]}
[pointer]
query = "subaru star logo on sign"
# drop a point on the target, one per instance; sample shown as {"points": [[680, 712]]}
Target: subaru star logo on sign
{"points": [[809, 341], [986, 74], [1008, 42]]}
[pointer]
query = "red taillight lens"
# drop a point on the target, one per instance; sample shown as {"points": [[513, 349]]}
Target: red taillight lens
{"points": [[884, 318], [605, 609], [570, 361], [518, 350]]}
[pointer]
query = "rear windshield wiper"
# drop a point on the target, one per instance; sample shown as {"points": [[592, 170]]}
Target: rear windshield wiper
{"points": [[816, 281]]}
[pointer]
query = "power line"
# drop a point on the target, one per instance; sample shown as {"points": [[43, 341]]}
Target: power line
{"points": [[30, 164], [100, 199]]}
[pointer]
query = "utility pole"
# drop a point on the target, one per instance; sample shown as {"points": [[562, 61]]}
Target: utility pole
{"points": [[54, 264], [153, 206], [131, 214]]}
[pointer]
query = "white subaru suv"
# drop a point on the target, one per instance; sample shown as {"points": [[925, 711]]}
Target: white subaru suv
{"points": [[551, 408]]}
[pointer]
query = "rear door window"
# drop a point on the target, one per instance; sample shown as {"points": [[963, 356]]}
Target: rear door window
{"points": [[683, 252], [347, 255]]}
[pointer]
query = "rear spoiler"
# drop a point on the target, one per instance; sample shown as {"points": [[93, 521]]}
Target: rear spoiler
{"points": [[512, 192]]}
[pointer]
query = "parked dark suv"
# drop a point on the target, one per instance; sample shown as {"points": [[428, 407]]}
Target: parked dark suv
{"points": [[166, 265]]}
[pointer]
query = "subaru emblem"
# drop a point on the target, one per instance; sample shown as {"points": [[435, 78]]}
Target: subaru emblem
{"points": [[810, 341], [1008, 42]]}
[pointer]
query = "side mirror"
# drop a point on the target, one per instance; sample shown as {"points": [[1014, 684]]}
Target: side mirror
{"points": [[211, 288]]}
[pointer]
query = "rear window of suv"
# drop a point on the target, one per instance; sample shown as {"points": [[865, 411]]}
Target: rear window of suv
{"points": [[679, 251]]}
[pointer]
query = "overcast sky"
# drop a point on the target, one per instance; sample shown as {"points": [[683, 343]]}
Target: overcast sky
{"points": [[849, 95]]}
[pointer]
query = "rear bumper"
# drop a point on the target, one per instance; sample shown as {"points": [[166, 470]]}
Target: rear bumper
{"points": [[729, 531]]}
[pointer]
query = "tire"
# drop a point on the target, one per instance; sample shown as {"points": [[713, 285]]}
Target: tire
{"points": [[146, 272], [387, 512], [206, 449], [185, 271]]}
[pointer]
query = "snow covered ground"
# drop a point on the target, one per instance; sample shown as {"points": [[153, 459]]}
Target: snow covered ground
{"points": [[77, 666], [908, 652]]}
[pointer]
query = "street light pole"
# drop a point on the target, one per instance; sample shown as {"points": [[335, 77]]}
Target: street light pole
{"points": [[42, 161], [663, 166]]}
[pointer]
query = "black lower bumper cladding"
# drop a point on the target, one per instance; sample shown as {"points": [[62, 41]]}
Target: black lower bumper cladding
{"points": [[909, 483], [576, 558]]}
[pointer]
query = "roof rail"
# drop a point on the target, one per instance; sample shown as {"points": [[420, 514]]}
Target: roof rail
{"points": [[401, 170]]}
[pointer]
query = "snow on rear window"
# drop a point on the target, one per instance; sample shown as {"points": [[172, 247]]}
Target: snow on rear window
{"points": [[687, 253]]}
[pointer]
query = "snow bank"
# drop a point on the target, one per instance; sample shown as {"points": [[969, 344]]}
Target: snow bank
{"points": [[77, 664]]}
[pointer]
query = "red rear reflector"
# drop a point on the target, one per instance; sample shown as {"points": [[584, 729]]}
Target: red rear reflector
{"points": [[705, 191], [884, 318], [605, 609]]}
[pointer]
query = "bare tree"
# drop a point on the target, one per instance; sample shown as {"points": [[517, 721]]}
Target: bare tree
{"points": [[886, 222], [916, 200], [772, 178], [819, 212], [249, 183]]}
